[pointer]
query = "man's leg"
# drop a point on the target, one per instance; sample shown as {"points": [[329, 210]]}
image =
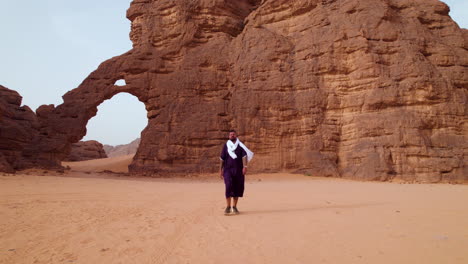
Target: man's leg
{"points": [[228, 209], [229, 191], [238, 189], [228, 185], [234, 206]]}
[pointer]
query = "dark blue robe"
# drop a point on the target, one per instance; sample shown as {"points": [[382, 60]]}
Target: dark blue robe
{"points": [[232, 173]]}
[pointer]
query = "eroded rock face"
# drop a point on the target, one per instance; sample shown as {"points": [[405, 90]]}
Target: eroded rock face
{"points": [[18, 127], [86, 150], [372, 89]]}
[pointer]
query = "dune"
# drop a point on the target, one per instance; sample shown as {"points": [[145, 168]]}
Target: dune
{"points": [[114, 164], [285, 218]]}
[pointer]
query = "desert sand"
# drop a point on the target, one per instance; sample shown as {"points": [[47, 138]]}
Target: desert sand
{"points": [[82, 216]]}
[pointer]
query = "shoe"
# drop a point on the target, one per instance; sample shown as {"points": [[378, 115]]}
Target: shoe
{"points": [[234, 210], [227, 211]]}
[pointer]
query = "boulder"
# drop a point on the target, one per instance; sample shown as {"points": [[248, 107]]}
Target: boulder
{"points": [[86, 150]]}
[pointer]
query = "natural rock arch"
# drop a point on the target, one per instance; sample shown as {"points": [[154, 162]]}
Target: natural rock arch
{"points": [[308, 92], [66, 123]]}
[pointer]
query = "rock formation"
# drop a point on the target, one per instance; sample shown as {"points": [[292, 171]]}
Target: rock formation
{"points": [[86, 150], [364, 89], [122, 150], [18, 127]]}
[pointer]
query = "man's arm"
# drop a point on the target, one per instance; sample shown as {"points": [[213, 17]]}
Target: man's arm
{"points": [[244, 161], [221, 167], [222, 157]]}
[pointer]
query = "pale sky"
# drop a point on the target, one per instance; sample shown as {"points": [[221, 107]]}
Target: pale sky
{"points": [[49, 47]]}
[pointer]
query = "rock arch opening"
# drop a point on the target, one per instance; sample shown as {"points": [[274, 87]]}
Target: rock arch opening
{"points": [[120, 82], [113, 133]]}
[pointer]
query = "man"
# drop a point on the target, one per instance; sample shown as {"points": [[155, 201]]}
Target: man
{"points": [[234, 158]]}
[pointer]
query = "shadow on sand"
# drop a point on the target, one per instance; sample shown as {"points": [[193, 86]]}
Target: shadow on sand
{"points": [[313, 208]]}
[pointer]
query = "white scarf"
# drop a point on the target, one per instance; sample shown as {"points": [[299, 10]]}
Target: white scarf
{"points": [[231, 146]]}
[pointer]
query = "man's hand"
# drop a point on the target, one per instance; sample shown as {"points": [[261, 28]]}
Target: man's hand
{"points": [[244, 170], [221, 174]]}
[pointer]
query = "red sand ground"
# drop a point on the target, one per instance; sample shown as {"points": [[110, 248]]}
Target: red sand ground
{"points": [[83, 216]]}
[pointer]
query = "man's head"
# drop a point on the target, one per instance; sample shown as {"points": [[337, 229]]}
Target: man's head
{"points": [[232, 135]]}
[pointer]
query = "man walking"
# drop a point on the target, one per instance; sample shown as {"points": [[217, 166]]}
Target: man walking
{"points": [[234, 158]]}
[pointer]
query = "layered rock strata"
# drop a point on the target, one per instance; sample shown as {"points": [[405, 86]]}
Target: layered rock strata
{"points": [[373, 89]]}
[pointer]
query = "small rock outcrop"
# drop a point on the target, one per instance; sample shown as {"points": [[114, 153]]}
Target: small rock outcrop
{"points": [[86, 150]]}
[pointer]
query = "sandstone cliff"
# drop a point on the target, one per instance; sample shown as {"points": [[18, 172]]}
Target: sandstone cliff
{"points": [[366, 89], [18, 127], [86, 150]]}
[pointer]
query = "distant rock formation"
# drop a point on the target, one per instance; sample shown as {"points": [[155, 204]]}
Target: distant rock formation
{"points": [[362, 89], [18, 127], [122, 150], [86, 150]]}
